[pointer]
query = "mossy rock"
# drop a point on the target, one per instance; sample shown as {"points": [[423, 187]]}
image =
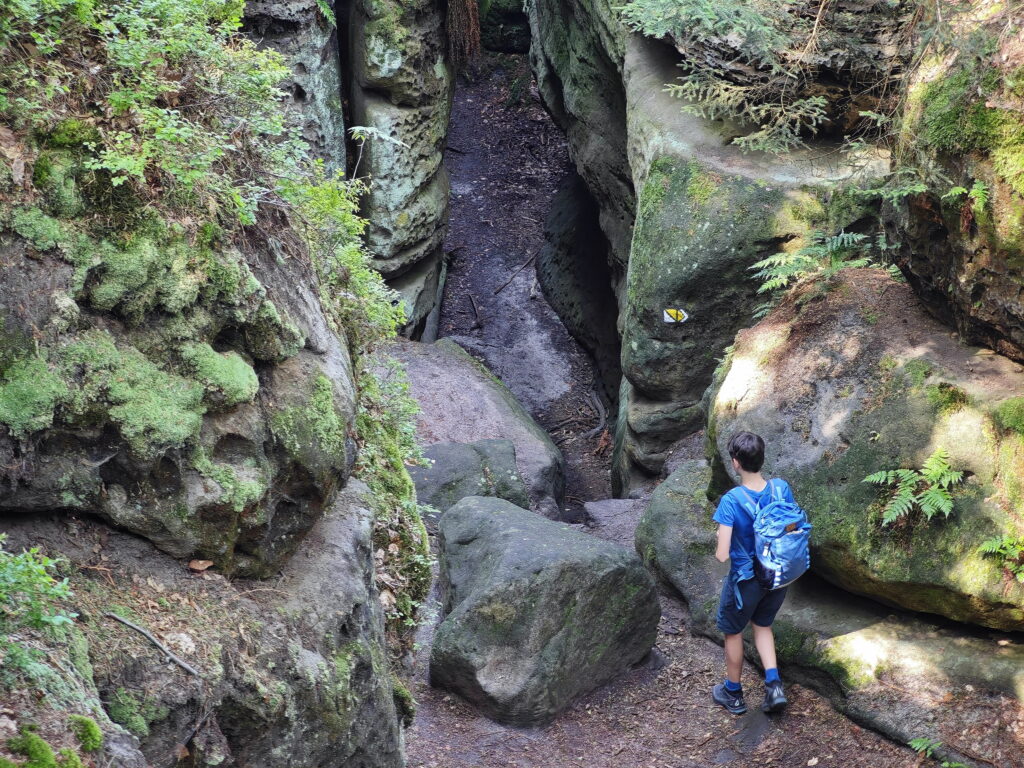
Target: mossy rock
{"points": [[537, 613], [837, 398]]}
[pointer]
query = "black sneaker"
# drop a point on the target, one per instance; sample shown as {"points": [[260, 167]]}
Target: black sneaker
{"points": [[731, 700], [774, 697]]}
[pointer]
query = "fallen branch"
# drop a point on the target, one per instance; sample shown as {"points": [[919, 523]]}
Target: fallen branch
{"points": [[519, 269], [476, 313], [154, 641]]}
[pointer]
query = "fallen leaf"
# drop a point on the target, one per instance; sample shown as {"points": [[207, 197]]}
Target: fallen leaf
{"points": [[813, 761], [198, 566]]}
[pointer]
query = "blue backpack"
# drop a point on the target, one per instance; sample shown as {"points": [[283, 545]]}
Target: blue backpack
{"points": [[781, 539]]}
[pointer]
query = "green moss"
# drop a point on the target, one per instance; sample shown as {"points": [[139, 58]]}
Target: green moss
{"points": [[405, 704], [1010, 414], [44, 232], [701, 186], [946, 397], [73, 133], [237, 494], [134, 714], [53, 175], [88, 733], [227, 374], [318, 426], [69, 759], [29, 396], [35, 748], [153, 409], [917, 370]]}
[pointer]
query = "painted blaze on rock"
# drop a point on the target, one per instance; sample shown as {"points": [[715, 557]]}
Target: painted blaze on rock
{"points": [[697, 233], [860, 379], [537, 613]]}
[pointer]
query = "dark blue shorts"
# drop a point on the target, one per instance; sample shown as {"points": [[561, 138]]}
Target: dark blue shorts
{"points": [[759, 606]]}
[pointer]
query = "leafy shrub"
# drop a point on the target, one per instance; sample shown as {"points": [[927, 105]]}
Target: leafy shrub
{"points": [[927, 489], [30, 596], [184, 107], [1010, 550]]}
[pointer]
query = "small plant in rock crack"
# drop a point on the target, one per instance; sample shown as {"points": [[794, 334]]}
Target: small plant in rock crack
{"points": [[927, 747], [30, 596], [1010, 550], [927, 489]]}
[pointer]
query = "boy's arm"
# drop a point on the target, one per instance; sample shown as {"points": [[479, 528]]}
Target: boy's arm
{"points": [[724, 540]]}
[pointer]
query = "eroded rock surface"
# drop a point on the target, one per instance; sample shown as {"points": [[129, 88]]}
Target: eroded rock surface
{"points": [[684, 214], [458, 470], [858, 379], [402, 90], [537, 613], [296, 673], [462, 402]]}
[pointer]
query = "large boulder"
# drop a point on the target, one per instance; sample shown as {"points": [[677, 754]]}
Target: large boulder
{"points": [[457, 470], [462, 402], [857, 378], [536, 612], [881, 667]]}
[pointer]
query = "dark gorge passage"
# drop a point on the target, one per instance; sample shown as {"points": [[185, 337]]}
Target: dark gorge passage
{"points": [[365, 396]]}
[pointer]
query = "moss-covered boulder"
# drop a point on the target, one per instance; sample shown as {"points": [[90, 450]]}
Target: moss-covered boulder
{"points": [[536, 613], [457, 470], [128, 384], [853, 378], [461, 401], [879, 666]]}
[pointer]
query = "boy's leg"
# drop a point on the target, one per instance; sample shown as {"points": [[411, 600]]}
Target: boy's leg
{"points": [[764, 641], [734, 657]]}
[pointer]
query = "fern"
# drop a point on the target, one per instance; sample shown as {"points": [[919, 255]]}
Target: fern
{"points": [[822, 259], [1010, 549], [927, 489]]}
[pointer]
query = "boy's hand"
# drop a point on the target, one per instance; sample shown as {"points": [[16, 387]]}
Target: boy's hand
{"points": [[724, 540]]}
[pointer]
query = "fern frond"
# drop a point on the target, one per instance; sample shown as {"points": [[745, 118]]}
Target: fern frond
{"points": [[898, 506], [935, 499], [885, 477]]}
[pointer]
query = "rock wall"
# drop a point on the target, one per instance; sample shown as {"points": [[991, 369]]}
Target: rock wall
{"points": [[684, 213], [402, 88], [299, 31], [964, 128], [293, 674]]}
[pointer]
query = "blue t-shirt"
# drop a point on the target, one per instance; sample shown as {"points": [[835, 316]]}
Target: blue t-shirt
{"points": [[733, 510]]}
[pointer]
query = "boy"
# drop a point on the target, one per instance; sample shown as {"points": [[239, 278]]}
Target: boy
{"points": [[743, 598]]}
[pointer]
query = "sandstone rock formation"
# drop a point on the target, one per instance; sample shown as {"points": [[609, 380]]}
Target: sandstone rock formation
{"points": [[463, 402], [889, 388], [457, 470], [536, 613], [402, 90]]}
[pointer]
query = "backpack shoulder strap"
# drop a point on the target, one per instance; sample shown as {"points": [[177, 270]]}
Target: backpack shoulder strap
{"points": [[755, 507]]}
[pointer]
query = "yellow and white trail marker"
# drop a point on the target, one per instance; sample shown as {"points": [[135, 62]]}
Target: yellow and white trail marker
{"points": [[675, 316]]}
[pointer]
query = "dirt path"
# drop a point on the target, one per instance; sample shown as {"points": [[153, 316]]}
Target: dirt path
{"points": [[506, 158], [505, 161]]}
